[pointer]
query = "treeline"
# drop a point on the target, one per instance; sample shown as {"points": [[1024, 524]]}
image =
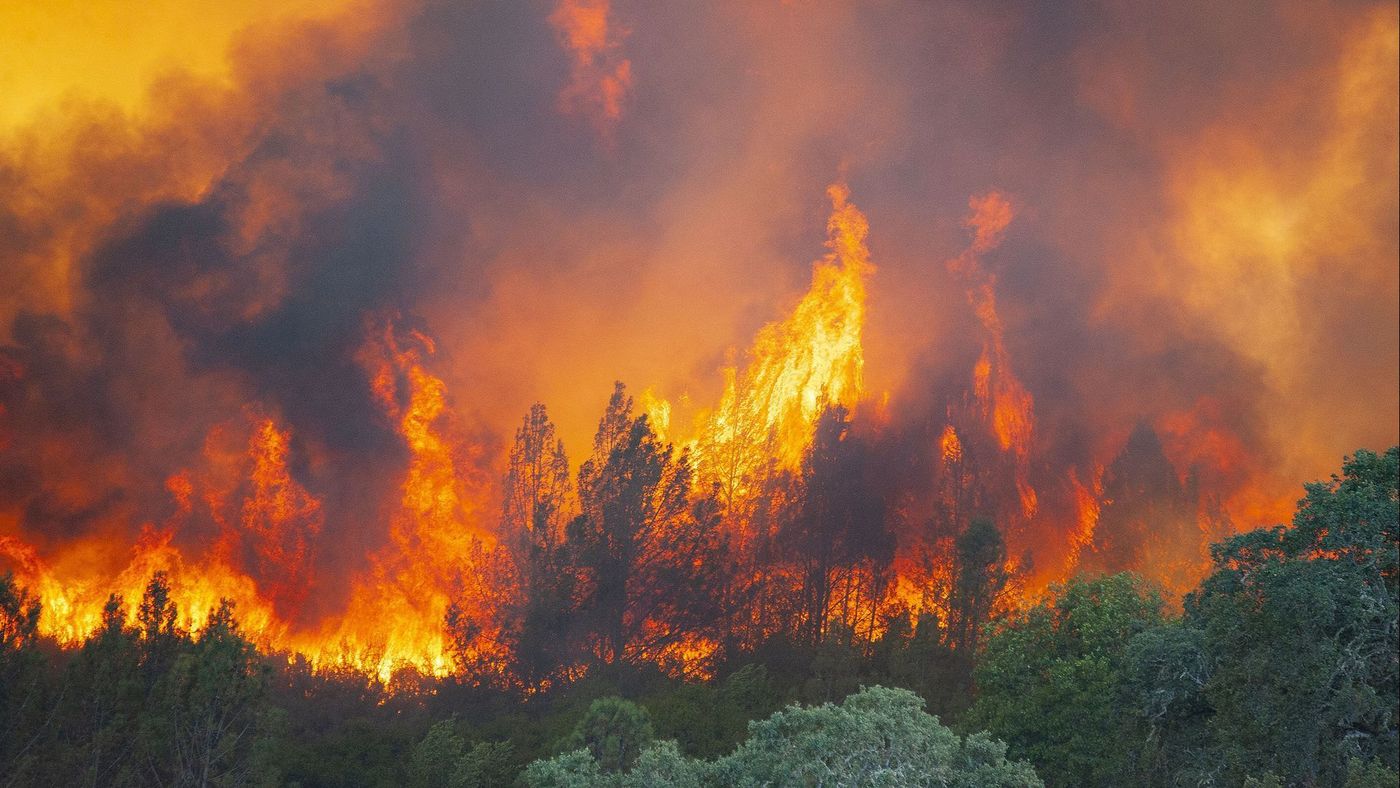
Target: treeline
{"points": [[1279, 669], [647, 559]]}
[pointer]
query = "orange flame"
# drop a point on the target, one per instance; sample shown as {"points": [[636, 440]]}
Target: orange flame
{"points": [[800, 366], [1004, 402], [1088, 499], [396, 613], [278, 517], [396, 610]]}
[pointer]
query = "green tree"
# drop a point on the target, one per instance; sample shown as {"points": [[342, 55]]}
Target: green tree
{"points": [[876, 737], [443, 760], [1053, 681], [1168, 670], [102, 703], [613, 732], [709, 718], [216, 719], [435, 759], [1300, 629], [24, 691]]}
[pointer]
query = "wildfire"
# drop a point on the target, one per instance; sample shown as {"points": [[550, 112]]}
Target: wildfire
{"points": [[1088, 500], [1004, 402], [271, 293], [395, 613], [279, 517], [797, 367], [437, 556], [72, 598]]}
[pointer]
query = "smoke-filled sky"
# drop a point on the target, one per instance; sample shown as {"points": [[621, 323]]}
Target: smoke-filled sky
{"points": [[204, 214]]}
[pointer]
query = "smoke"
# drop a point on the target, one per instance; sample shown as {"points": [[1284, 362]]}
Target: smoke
{"points": [[600, 76], [1203, 242]]}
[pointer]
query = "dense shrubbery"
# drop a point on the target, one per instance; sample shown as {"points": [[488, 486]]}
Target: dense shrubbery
{"points": [[1281, 669], [877, 736]]}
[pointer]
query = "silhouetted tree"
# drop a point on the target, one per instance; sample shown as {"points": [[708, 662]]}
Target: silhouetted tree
{"points": [[1148, 520], [537, 500], [157, 625], [839, 530], [979, 577], [103, 698], [649, 552], [537, 485], [215, 716], [24, 718]]}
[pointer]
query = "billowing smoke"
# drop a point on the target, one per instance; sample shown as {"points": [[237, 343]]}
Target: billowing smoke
{"points": [[1122, 280]]}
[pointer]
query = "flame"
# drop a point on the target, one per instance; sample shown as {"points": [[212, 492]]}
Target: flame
{"points": [[1003, 400], [950, 448], [396, 613], [799, 366], [1088, 500], [72, 599], [278, 518], [107, 124], [396, 610]]}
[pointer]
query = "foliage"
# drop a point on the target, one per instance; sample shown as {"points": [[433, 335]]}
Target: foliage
{"points": [[648, 553], [443, 760], [839, 540], [709, 719], [1052, 680], [613, 732], [23, 686], [537, 502], [877, 736], [1281, 668], [1299, 626]]}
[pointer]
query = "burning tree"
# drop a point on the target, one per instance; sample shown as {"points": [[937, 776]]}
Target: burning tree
{"points": [[647, 546]]}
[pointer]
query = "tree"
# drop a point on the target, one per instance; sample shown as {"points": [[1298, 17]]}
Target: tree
{"points": [[443, 760], [435, 758], [839, 531], [23, 683], [613, 732], [1299, 627], [979, 577], [1168, 668], [103, 699], [1148, 521], [649, 552], [536, 505], [216, 718], [876, 736], [537, 486], [157, 628], [1052, 681], [708, 719]]}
